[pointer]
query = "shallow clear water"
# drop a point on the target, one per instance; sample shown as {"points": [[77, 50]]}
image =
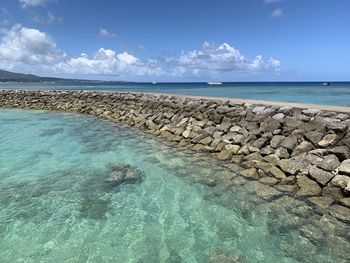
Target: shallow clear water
{"points": [[55, 205], [304, 92]]}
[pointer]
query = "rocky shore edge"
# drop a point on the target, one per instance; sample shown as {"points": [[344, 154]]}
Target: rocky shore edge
{"points": [[302, 153]]}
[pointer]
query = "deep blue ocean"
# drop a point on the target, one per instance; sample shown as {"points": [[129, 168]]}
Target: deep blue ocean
{"points": [[303, 92]]}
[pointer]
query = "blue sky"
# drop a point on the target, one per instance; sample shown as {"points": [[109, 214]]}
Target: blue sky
{"points": [[192, 40]]}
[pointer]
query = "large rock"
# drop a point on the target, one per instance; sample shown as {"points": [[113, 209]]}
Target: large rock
{"points": [[335, 125], [329, 163], [282, 153], [260, 142], [279, 116], [267, 112], [206, 141], [303, 148], [225, 155], [342, 152], [286, 110], [342, 181], [340, 212], [276, 141], [123, 173], [117, 166], [267, 150], [186, 134], [344, 167], [290, 166], [263, 191], [286, 188], [259, 109], [270, 181], [311, 112], [250, 173], [332, 191], [276, 172], [345, 201], [314, 136], [289, 143], [322, 202], [320, 175], [307, 187], [328, 140]]}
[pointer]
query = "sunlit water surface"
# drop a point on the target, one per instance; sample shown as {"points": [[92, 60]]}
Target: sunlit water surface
{"points": [[55, 205]]}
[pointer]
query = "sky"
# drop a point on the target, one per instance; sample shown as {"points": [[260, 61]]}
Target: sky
{"points": [[177, 40]]}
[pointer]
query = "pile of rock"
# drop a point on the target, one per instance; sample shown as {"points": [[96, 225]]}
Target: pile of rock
{"points": [[300, 152], [121, 173]]}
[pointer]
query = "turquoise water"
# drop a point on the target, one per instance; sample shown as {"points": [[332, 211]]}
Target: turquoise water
{"points": [[55, 205], [303, 92]]}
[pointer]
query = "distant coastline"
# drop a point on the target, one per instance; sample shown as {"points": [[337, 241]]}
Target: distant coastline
{"points": [[337, 94]]}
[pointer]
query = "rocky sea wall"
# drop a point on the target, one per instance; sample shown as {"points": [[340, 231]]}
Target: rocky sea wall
{"points": [[303, 153]]}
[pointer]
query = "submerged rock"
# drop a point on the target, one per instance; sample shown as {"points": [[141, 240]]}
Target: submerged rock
{"points": [[340, 212], [263, 191], [123, 173], [322, 202], [307, 187], [344, 167]]}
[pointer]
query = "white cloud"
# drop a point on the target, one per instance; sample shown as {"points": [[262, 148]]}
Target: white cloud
{"points": [[108, 62], [29, 46], [277, 12], [28, 49], [27, 3], [105, 33], [31, 50], [49, 18], [217, 59], [274, 65]]}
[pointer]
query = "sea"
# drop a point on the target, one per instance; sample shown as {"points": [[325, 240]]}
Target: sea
{"points": [[57, 206], [338, 93]]}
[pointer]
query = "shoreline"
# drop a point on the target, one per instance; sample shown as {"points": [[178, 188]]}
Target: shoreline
{"points": [[299, 152], [295, 105]]}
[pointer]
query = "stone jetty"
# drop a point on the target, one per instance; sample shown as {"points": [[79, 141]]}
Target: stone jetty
{"points": [[304, 153]]}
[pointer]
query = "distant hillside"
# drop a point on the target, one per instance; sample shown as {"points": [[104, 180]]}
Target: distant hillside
{"points": [[7, 76]]}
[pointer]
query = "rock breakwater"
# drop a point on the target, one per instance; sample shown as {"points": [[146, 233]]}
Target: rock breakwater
{"points": [[302, 153]]}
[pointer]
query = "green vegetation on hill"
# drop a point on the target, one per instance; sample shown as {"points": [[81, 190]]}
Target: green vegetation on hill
{"points": [[7, 76]]}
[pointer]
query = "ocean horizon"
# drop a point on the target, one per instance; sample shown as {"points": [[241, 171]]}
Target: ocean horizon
{"points": [[338, 93]]}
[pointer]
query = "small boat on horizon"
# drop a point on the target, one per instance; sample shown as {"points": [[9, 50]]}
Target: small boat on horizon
{"points": [[154, 82], [214, 83], [326, 83]]}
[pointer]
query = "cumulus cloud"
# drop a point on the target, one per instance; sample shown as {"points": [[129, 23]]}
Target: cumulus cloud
{"points": [[277, 12], [275, 65], [29, 46], [105, 33], [31, 50], [108, 62], [27, 3], [48, 19], [217, 59]]}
